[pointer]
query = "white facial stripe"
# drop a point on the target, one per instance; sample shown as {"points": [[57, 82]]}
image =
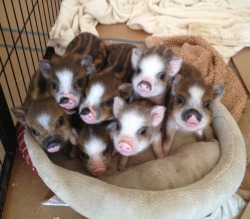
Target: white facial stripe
{"points": [[94, 146], [65, 78], [131, 122], [151, 65], [196, 94], [95, 94], [44, 120]]}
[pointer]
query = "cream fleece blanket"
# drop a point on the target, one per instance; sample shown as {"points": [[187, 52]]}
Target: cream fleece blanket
{"points": [[225, 24], [97, 199]]}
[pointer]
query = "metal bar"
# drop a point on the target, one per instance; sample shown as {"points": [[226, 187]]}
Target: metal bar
{"points": [[11, 65], [19, 32]]}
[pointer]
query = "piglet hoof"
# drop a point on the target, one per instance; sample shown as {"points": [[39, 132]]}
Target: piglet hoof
{"points": [[159, 155]]}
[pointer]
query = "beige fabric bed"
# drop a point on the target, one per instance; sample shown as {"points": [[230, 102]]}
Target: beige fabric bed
{"points": [[94, 198]]}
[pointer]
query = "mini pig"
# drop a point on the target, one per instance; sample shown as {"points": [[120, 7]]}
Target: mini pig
{"points": [[96, 105], [190, 106], [138, 126], [97, 148], [48, 124], [154, 71], [67, 76]]}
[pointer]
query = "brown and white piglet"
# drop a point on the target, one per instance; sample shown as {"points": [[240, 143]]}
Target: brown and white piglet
{"points": [[154, 71], [48, 123], [97, 148], [96, 105], [68, 75], [190, 107], [137, 126]]}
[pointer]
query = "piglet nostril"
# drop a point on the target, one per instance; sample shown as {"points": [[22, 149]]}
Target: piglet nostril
{"points": [[64, 100], [85, 111], [188, 114]]}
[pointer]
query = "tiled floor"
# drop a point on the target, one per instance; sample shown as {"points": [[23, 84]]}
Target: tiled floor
{"points": [[27, 190]]}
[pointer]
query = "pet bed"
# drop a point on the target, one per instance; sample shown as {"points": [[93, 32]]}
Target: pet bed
{"points": [[94, 198]]}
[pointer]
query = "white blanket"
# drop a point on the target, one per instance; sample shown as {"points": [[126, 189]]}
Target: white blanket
{"points": [[223, 23]]}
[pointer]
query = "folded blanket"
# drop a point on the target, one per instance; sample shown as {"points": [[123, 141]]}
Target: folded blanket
{"points": [[225, 24], [196, 51]]}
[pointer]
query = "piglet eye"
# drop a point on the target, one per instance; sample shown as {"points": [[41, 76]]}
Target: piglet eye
{"points": [[142, 131], [83, 155], [35, 132], [109, 102], [60, 122], [78, 83], [53, 86], [139, 70], [207, 104], [161, 75], [180, 99]]}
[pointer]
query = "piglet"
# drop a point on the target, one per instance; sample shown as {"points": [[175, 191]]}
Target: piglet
{"points": [[154, 70], [190, 108], [137, 126], [48, 124], [96, 148]]}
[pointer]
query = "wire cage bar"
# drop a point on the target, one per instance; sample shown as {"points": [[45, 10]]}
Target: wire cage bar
{"points": [[24, 32]]}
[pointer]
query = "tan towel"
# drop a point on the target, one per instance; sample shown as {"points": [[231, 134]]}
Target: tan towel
{"points": [[198, 52]]}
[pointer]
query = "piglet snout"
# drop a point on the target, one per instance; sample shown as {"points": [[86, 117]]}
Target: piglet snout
{"points": [[192, 117], [144, 87], [68, 101], [99, 171], [124, 148]]}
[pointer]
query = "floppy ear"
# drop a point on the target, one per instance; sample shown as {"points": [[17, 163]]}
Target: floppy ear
{"points": [[174, 66], [118, 105], [157, 115], [135, 57], [218, 90], [125, 90], [45, 67], [20, 114]]}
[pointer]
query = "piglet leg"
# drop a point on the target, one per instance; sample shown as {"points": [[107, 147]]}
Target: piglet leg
{"points": [[74, 147], [167, 142], [122, 163], [157, 146]]}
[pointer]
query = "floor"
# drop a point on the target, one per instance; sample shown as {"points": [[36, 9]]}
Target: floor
{"points": [[27, 191]]}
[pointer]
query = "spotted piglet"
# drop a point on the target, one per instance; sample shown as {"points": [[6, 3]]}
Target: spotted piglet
{"points": [[67, 76], [137, 126], [190, 107], [96, 104], [49, 125], [154, 70], [96, 148]]}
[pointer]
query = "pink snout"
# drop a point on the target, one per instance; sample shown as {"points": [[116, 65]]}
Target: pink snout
{"points": [[124, 148], [144, 87], [98, 171], [192, 121], [68, 101], [89, 118]]}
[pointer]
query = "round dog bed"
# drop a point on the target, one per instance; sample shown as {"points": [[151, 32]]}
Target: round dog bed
{"points": [[94, 198]]}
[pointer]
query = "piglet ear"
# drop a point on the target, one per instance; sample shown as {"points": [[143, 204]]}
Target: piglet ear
{"points": [[174, 66], [45, 67], [157, 115], [87, 64], [111, 128], [125, 90], [20, 114], [135, 57], [218, 90], [118, 105]]}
